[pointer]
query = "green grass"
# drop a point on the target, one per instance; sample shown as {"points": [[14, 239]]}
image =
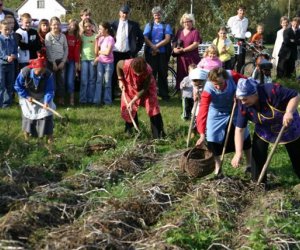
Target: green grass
{"points": [[195, 229]]}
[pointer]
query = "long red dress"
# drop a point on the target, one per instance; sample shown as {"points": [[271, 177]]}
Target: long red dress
{"points": [[133, 84]]}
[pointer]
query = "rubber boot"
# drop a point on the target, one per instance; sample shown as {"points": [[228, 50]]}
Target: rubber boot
{"points": [[129, 126], [157, 126]]}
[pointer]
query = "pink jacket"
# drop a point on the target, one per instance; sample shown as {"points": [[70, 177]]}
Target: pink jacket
{"points": [[209, 64]]}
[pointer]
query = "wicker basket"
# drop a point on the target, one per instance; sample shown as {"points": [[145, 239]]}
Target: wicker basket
{"points": [[197, 162]]}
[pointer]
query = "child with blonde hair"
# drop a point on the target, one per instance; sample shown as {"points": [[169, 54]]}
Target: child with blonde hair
{"points": [[225, 48], [57, 55], [210, 59]]}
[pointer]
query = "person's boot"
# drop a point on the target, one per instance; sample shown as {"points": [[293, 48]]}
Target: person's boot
{"points": [[129, 126], [157, 126]]}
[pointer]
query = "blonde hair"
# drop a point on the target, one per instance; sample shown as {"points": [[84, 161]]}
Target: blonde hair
{"points": [[211, 49], [25, 16], [187, 16]]}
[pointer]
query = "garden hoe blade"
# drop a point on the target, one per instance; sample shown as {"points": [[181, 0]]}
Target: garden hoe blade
{"points": [[64, 120]]}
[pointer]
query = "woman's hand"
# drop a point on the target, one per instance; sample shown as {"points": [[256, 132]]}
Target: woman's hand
{"points": [[46, 105], [236, 160], [177, 50], [121, 85], [287, 118], [201, 140]]}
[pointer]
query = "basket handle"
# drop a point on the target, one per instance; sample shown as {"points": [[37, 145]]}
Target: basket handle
{"points": [[203, 146]]}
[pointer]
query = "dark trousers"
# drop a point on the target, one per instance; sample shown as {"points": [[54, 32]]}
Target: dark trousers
{"points": [[285, 67], [260, 155], [187, 106], [240, 58], [118, 56], [159, 65]]}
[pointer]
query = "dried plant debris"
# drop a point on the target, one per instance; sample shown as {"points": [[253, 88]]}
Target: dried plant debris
{"points": [[99, 143]]}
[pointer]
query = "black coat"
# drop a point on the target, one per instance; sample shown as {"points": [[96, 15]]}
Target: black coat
{"points": [[135, 36], [288, 48]]}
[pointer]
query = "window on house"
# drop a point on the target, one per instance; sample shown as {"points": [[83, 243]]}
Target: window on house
{"points": [[40, 4]]}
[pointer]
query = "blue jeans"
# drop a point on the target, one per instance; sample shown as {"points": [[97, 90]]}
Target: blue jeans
{"points": [[104, 79], [7, 77], [88, 81], [70, 76]]}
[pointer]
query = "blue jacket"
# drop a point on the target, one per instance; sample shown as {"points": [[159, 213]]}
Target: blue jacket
{"points": [[8, 47]]}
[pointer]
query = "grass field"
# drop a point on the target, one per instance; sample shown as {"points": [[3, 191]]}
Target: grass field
{"points": [[129, 191]]}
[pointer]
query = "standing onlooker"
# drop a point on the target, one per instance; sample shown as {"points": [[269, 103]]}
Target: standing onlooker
{"points": [[43, 29], [284, 22], [225, 48], [258, 38], [239, 25], [288, 51], [57, 55], [28, 41], [8, 53], [87, 68], [186, 87], [157, 36], [35, 81], [186, 43], [73, 62], [210, 58], [129, 41], [86, 14], [4, 12], [105, 67]]}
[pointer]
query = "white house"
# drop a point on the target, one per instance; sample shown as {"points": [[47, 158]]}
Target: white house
{"points": [[40, 9]]}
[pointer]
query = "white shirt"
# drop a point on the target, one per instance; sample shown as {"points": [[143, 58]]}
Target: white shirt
{"points": [[118, 46], [277, 47], [238, 26], [2, 16]]}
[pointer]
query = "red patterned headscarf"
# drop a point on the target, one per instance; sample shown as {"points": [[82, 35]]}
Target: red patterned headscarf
{"points": [[37, 63]]}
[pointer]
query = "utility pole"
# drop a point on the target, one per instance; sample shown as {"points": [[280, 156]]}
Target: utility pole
{"points": [[191, 6]]}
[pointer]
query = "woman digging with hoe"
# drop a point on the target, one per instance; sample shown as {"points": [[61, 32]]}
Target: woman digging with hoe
{"points": [[271, 107], [36, 83], [139, 88]]}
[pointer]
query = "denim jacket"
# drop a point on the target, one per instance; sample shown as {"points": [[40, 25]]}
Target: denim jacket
{"points": [[8, 47]]}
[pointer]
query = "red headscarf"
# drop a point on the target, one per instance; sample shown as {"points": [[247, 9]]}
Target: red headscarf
{"points": [[37, 63]]}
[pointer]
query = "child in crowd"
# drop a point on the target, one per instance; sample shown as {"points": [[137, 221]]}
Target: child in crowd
{"points": [[186, 87], [258, 38], [35, 81], [225, 48], [43, 29], [73, 63], [105, 60], [8, 54], [86, 14], [210, 59], [57, 55], [27, 40], [88, 70], [11, 21]]}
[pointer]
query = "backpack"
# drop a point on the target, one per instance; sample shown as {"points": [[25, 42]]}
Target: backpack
{"points": [[168, 46]]}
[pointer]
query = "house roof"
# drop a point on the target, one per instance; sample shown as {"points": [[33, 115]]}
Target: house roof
{"points": [[24, 2]]}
